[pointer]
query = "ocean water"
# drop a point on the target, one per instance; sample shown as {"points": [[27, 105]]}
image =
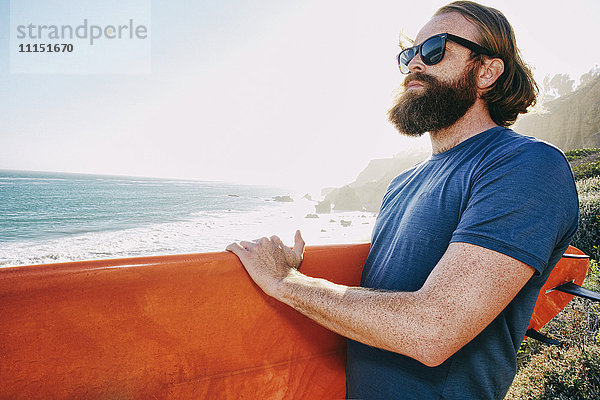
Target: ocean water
{"points": [[54, 217]]}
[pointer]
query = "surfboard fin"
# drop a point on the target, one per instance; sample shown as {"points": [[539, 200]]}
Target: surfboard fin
{"points": [[533, 334], [577, 290]]}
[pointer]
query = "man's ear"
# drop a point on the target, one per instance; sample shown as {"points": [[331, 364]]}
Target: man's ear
{"points": [[489, 72]]}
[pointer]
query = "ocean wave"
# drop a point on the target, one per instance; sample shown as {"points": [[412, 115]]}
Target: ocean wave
{"points": [[94, 217], [206, 233]]}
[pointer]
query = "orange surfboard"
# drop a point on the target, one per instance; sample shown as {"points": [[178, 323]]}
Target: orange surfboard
{"points": [[572, 267], [179, 327]]}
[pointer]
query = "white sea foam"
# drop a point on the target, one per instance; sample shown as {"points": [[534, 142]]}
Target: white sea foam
{"points": [[203, 232]]}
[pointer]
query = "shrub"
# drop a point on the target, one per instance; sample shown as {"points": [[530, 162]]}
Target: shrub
{"points": [[557, 374], [588, 185], [573, 155], [587, 170], [584, 162], [592, 281], [587, 237], [571, 372]]}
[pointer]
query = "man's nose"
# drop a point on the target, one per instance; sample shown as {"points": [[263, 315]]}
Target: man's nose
{"points": [[416, 64]]}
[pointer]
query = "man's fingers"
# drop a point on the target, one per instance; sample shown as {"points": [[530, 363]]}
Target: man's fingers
{"points": [[292, 257], [236, 249], [299, 244], [286, 251], [275, 239], [247, 245]]}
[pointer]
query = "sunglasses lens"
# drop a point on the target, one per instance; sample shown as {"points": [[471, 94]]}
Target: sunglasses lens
{"points": [[404, 59], [432, 50]]}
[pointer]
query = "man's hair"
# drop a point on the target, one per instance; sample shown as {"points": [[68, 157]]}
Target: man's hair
{"points": [[515, 89]]}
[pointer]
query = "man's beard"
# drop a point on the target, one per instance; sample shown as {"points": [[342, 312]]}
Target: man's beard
{"points": [[439, 106]]}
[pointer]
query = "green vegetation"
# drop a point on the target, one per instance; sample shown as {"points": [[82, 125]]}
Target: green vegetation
{"points": [[585, 162], [572, 371], [579, 154], [553, 373], [587, 237]]}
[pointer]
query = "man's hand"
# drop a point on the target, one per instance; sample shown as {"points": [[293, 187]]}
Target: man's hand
{"points": [[269, 261]]}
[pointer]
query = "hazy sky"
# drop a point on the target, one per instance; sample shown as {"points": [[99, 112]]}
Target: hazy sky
{"points": [[253, 91]]}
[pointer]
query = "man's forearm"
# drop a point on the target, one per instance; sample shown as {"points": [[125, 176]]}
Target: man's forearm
{"points": [[394, 321]]}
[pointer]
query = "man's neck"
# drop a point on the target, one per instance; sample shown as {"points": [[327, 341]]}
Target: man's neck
{"points": [[476, 120]]}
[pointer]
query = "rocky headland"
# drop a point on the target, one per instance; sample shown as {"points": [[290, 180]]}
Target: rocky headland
{"points": [[366, 192]]}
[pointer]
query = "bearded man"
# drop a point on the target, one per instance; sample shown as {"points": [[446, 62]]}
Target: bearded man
{"points": [[463, 241]]}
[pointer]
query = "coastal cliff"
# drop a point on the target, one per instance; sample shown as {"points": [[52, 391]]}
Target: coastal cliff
{"points": [[367, 191], [570, 122]]}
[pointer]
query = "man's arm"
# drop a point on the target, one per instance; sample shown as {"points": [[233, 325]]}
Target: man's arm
{"points": [[467, 289]]}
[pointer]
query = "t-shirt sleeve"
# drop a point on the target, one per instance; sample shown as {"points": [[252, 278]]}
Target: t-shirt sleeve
{"points": [[523, 204]]}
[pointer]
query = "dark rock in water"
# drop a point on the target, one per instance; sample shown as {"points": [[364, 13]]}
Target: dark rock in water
{"points": [[332, 220], [308, 197], [233, 195], [285, 199], [345, 223], [323, 207], [311, 216], [323, 230]]}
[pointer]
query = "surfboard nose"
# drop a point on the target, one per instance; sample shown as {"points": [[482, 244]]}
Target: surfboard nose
{"points": [[562, 285]]}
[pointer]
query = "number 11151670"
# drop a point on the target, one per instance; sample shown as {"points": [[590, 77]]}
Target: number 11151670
{"points": [[46, 48]]}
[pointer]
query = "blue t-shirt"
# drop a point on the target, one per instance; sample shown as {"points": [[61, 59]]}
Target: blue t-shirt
{"points": [[499, 190]]}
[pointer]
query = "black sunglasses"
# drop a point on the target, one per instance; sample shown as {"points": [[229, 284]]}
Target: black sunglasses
{"points": [[432, 50]]}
